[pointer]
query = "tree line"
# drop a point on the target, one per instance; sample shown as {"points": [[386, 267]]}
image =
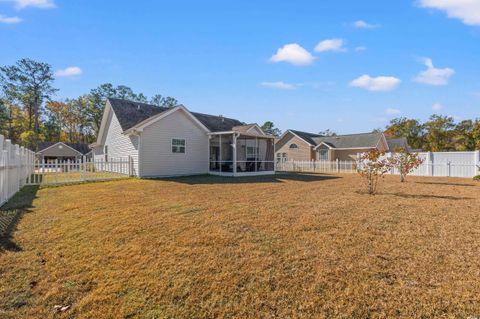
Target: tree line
{"points": [[439, 133], [29, 112]]}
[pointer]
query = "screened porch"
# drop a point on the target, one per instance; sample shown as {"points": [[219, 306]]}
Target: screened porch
{"points": [[236, 154]]}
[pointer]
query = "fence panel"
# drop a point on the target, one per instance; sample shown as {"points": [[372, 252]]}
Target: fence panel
{"points": [[446, 164], [81, 170], [14, 168]]}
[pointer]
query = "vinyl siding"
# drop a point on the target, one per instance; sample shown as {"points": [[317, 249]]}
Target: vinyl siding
{"points": [[156, 154], [119, 145], [304, 151]]}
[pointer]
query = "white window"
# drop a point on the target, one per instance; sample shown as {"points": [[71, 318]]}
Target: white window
{"points": [[323, 155], [178, 145]]}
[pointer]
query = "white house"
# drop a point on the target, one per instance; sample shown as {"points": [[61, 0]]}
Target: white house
{"points": [[174, 141]]}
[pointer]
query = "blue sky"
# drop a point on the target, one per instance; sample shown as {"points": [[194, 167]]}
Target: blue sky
{"points": [[348, 66]]}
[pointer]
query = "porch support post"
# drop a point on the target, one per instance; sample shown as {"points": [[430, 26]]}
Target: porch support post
{"points": [[234, 154]]}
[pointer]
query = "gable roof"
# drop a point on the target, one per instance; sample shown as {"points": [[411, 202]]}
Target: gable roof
{"points": [[361, 140], [306, 136], [79, 147], [394, 143], [130, 113], [249, 127]]}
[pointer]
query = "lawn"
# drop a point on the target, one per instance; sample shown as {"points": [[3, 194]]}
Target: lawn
{"points": [[290, 246]]}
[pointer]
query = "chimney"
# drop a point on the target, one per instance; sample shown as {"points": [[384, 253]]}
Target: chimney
{"points": [[221, 116]]}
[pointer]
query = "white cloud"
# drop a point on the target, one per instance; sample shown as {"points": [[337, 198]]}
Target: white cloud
{"points": [[70, 71], [294, 54], [392, 111], [279, 85], [434, 76], [466, 10], [43, 4], [437, 107], [9, 20], [380, 83], [360, 24], [336, 45], [360, 49]]}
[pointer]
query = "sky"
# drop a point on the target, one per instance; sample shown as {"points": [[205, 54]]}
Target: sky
{"points": [[348, 66]]}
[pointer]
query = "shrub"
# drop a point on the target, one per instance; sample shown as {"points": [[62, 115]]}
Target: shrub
{"points": [[372, 168], [405, 162], [476, 178]]}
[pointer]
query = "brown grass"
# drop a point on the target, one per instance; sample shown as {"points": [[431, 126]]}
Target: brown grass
{"points": [[291, 246]]}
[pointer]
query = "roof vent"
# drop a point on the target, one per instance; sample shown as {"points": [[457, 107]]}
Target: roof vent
{"points": [[222, 118]]}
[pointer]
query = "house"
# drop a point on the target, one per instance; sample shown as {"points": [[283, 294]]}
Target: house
{"points": [[303, 146], [60, 151], [174, 141]]}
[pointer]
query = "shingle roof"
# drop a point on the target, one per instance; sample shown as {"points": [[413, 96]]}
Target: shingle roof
{"points": [[308, 137], [81, 147], [394, 143], [130, 113], [350, 141]]}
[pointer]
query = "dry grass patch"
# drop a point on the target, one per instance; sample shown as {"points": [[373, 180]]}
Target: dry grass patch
{"points": [[298, 246]]}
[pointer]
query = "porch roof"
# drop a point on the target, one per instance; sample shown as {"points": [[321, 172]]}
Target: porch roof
{"points": [[242, 134]]}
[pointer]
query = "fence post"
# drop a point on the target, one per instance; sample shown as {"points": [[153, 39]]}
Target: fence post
{"points": [[429, 163], [338, 167], [448, 168], [476, 160], [84, 163], [130, 166]]}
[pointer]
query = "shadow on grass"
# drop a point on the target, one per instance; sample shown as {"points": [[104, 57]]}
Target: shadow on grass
{"points": [[11, 213], [424, 196], [277, 178], [447, 184]]}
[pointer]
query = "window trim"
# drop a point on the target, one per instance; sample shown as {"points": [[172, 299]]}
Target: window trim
{"points": [[184, 146], [293, 146], [319, 155]]}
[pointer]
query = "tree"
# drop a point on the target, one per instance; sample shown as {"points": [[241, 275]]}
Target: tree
{"points": [[463, 138], [439, 133], [405, 162], [409, 128], [29, 83], [372, 167], [476, 134], [269, 128], [169, 102], [327, 132]]}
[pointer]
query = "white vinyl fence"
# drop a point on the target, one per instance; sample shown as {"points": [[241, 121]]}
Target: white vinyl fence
{"points": [[19, 167], [14, 168], [450, 164], [81, 170], [317, 166]]}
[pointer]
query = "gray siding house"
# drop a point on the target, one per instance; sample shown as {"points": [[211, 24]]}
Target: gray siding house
{"points": [[61, 151], [174, 141]]}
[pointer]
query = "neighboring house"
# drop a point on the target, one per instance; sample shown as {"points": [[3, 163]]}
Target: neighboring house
{"points": [[303, 146], [60, 151], [174, 141]]}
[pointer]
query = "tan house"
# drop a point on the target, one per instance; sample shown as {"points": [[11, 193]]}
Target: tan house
{"points": [[303, 146]]}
